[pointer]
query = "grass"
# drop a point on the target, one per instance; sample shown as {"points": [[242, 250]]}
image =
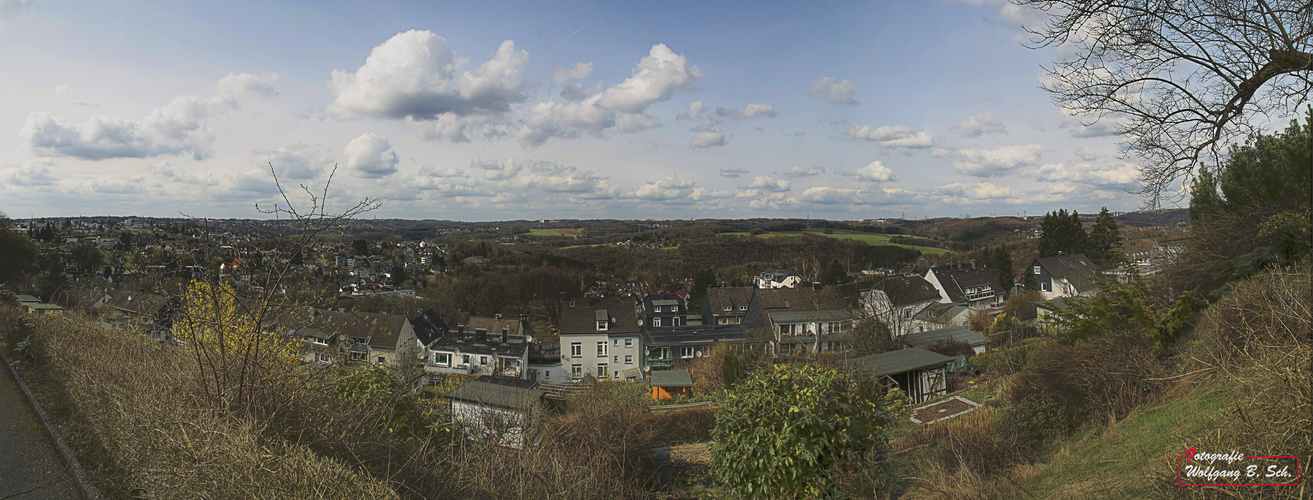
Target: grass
{"points": [[1121, 459], [573, 233], [848, 234]]}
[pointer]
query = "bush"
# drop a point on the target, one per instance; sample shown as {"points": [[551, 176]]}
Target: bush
{"points": [[1040, 417], [800, 430], [1096, 378], [984, 442]]}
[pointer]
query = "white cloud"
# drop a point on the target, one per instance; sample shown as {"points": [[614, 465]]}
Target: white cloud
{"points": [[707, 137], [1123, 175], [442, 173], [804, 171], [754, 110], [179, 127], [370, 155], [988, 162], [733, 173], [977, 191], [1023, 16], [293, 162], [574, 92], [578, 72], [630, 123], [896, 136], [826, 195], [835, 91], [31, 174], [694, 111], [414, 75], [66, 93], [981, 124], [1086, 154], [656, 77], [668, 189], [768, 184], [874, 172]]}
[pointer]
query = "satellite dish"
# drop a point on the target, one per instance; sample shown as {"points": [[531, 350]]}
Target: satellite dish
{"points": [[647, 368]]}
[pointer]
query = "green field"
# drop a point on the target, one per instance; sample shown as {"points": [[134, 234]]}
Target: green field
{"points": [[573, 233], [847, 234]]}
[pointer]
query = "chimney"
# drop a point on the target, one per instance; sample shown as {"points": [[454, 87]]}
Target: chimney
{"points": [[973, 263]]}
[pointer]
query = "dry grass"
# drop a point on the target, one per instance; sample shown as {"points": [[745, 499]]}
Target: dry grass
{"points": [[142, 429]]}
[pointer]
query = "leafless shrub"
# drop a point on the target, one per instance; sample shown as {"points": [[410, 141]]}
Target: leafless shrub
{"points": [[1093, 379]]}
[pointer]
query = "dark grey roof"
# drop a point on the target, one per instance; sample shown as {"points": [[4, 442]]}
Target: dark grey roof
{"points": [[491, 393], [1053, 304], [671, 378], [900, 361], [904, 290], [1078, 269], [698, 334], [932, 337]]}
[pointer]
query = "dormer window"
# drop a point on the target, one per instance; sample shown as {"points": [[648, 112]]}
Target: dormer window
{"points": [[602, 319]]}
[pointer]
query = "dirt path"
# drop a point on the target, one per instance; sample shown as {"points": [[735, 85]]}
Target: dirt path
{"points": [[29, 466]]}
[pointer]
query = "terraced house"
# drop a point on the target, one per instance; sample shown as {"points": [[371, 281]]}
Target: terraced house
{"points": [[600, 337]]}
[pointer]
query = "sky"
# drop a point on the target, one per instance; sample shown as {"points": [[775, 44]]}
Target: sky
{"points": [[483, 111]]}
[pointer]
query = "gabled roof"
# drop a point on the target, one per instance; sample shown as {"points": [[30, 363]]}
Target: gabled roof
{"points": [[906, 290], [671, 378], [940, 312], [428, 326], [497, 392], [956, 281], [900, 361], [698, 334], [733, 297], [383, 330], [494, 325], [803, 299], [956, 333], [1078, 269], [581, 315]]}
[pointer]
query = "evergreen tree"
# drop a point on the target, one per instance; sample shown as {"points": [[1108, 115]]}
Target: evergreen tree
{"points": [[999, 260], [1105, 241], [704, 279], [1205, 202], [870, 336], [1060, 232], [835, 274]]}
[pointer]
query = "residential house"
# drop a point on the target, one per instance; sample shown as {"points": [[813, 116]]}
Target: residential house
{"points": [[1046, 312], [666, 384], [146, 313], [545, 363], [896, 300], [816, 318], [1064, 276], [921, 374], [376, 338], [726, 305], [928, 339], [665, 348], [602, 338], [940, 315], [429, 327], [506, 410], [974, 286], [663, 310], [778, 278], [479, 352]]}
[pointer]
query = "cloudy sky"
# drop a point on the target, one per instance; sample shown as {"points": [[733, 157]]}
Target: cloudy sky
{"points": [[505, 110]]}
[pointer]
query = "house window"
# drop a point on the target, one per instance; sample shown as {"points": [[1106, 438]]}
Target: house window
{"points": [[381, 359], [629, 359], [483, 360], [601, 325], [1046, 286], [576, 349], [907, 312], [629, 342], [324, 358], [576, 371], [743, 308], [465, 359], [656, 308], [601, 348], [615, 359], [357, 356], [727, 308], [1036, 269], [601, 371], [685, 352], [656, 321], [442, 358]]}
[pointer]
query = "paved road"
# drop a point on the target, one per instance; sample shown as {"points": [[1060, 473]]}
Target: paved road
{"points": [[30, 468]]}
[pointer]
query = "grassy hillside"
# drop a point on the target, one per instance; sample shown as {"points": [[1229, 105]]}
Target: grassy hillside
{"points": [[847, 234]]}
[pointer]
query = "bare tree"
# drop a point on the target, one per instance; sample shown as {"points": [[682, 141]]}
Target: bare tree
{"points": [[1184, 78]]}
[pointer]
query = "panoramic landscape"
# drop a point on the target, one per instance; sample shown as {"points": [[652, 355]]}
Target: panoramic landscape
{"points": [[951, 249]]}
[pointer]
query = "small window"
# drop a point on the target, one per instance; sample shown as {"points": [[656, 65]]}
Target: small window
{"points": [[601, 325], [465, 359], [685, 352], [601, 371], [442, 358], [727, 308], [483, 360], [1036, 269], [629, 342], [381, 359], [629, 359], [601, 348], [576, 349], [656, 308], [656, 321], [1082, 262], [743, 307], [576, 371]]}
